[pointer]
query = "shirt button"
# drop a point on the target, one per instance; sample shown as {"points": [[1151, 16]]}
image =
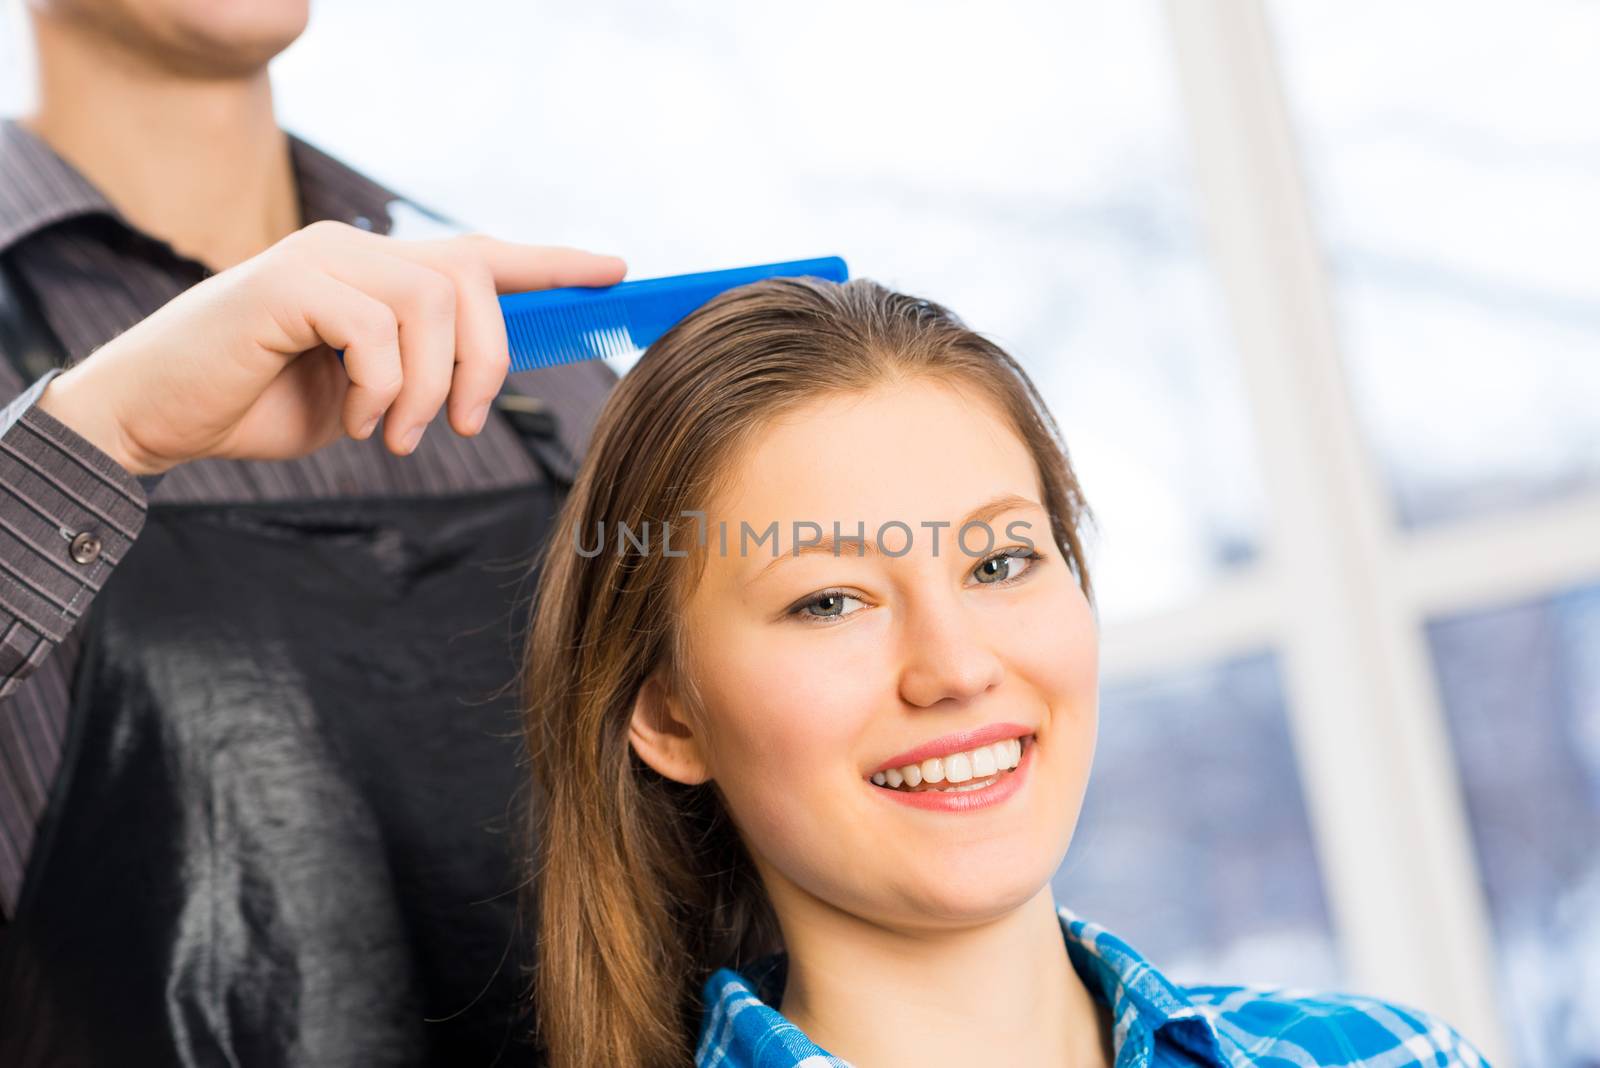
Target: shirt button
{"points": [[85, 548]]}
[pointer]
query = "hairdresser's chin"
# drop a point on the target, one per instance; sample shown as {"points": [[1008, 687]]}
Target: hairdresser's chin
{"points": [[202, 39]]}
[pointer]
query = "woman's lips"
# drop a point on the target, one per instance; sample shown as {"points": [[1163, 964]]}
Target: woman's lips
{"points": [[956, 769], [960, 741], [973, 794]]}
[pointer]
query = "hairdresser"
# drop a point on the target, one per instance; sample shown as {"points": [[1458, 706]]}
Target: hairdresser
{"points": [[260, 609]]}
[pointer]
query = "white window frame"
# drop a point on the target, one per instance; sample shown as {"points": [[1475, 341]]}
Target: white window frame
{"points": [[1341, 589]]}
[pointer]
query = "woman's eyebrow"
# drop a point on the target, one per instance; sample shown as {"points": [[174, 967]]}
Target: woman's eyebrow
{"points": [[825, 543], [1002, 504]]}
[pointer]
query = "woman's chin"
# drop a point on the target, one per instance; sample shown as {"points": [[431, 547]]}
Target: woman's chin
{"points": [[971, 895]]}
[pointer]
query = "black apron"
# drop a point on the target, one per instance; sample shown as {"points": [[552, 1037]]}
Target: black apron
{"points": [[283, 832]]}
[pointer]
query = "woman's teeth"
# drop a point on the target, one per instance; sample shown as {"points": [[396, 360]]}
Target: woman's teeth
{"points": [[982, 763]]}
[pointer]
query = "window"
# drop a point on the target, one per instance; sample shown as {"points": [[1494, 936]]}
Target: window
{"points": [[1448, 157], [1452, 164], [1521, 686]]}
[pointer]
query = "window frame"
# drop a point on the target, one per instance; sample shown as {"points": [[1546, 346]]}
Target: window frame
{"points": [[1340, 587]]}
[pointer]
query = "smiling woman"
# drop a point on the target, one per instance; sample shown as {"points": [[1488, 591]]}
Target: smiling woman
{"points": [[803, 807]]}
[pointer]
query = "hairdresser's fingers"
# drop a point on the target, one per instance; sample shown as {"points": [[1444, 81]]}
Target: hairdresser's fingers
{"points": [[368, 331], [481, 355], [516, 267], [478, 267], [424, 303], [482, 266]]}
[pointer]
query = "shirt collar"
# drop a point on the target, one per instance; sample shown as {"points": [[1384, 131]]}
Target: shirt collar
{"points": [[739, 1030], [1146, 1006], [39, 189]]}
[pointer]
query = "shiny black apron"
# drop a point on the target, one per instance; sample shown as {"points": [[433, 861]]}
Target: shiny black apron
{"points": [[283, 831]]}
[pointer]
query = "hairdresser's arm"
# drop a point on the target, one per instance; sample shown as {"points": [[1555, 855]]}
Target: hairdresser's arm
{"points": [[240, 366]]}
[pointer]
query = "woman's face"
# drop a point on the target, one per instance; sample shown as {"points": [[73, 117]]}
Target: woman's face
{"points": [[818, 672]]}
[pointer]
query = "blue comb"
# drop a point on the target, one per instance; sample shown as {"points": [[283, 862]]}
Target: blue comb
{"points": [[546, 327]]}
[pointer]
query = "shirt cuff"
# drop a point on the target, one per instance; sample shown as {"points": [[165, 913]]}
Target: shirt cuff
{"points": [[68, 513]]}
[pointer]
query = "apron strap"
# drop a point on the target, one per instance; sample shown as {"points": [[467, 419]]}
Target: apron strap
{"points": [[538, 425], [33, 349]]}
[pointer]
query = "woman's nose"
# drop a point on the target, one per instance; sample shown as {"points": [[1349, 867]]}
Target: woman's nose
{"points": [[947, 657]]}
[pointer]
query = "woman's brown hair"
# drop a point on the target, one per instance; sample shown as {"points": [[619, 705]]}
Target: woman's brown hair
{"points": [[641, 887]]}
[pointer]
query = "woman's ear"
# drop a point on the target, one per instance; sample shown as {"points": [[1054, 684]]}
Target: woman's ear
{"points": [[663, 736]]}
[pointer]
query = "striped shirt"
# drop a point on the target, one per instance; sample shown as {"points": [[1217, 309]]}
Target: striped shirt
{"points": [[94, 275], [1156, 1023]]}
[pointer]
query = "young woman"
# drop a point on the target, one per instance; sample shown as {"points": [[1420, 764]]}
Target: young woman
{"points": [[812, 704]]}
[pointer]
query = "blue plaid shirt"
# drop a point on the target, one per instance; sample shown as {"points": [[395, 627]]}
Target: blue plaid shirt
{"points": [[1158, 1024]]}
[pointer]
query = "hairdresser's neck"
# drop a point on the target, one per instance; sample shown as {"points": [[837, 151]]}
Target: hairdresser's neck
{"points": [[1002, 993], [198, 162]]}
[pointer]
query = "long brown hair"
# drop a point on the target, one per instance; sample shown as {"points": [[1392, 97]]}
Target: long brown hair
{"points": [[641, 887]]}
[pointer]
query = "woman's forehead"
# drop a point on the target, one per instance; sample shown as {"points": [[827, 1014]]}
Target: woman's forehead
{"points": [[892, 468], [921, 446]]}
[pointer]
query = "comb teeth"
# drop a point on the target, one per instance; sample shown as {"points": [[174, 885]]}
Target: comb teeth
{"points": [[544, 337]]}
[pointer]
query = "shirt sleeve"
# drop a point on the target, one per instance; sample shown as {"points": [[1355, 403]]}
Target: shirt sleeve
{"points": [[68, 513]]}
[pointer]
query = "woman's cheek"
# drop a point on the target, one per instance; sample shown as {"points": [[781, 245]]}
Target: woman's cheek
{"points": [[798, 691], [787, 744], [1053, 657], [1051, 643]]}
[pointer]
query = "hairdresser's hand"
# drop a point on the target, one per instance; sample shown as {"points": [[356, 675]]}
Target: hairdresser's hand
{"points": [[242, 365]]}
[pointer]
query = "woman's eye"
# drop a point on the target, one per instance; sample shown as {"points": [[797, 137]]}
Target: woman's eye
{"points": [[1004, 566], [829, 604]]}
